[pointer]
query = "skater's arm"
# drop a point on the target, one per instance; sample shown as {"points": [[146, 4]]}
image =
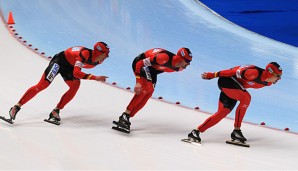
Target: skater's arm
{"points": [[223, 73], [78, 73], [249, 74], [139, 66], [160, 59], [81, 75], [228, 73], [154, 59]]}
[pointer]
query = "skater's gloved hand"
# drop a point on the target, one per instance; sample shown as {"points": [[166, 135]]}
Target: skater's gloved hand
{"points": [[138, 88], [209, 75], [101, 78]]}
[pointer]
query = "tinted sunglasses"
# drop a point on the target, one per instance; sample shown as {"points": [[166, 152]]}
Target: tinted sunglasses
{"points": [[187, 60], [271, 72]]}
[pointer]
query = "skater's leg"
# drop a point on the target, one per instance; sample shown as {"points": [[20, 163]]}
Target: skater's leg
{"points": [[47, 77], [74, 85], [241, 109], [139, 101], [132, 109], [141, 104], [134, 102], [29, 94], [32, 91], [54, 116], [244, 97], [225, 106]]}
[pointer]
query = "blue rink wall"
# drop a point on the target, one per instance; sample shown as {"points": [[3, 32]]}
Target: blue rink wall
{"points": [[277, 19]]}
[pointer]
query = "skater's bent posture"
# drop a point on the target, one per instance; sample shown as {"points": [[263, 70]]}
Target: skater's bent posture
{"points": [[233, 83], [146, 67], [69, 64]]}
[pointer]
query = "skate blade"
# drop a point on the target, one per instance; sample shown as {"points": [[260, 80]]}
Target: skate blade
{"points": [[191, 141], [238, 143], [6, 120], [52, 122], [117, 128], [120, 125]]}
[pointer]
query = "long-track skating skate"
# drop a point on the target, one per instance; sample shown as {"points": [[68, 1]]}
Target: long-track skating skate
{"points": [[6, 120], [54, 117], [121, 127], [238, 143], [193, 137], [55, 122], [191, 141], [237, 138]]}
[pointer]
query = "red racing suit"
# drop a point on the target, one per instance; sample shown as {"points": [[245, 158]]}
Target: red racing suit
{"points": [[146, 67], [68, 64], [233, 84]]}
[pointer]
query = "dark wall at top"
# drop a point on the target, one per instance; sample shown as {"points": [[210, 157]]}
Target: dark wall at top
{"points": [[276, 19]]}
